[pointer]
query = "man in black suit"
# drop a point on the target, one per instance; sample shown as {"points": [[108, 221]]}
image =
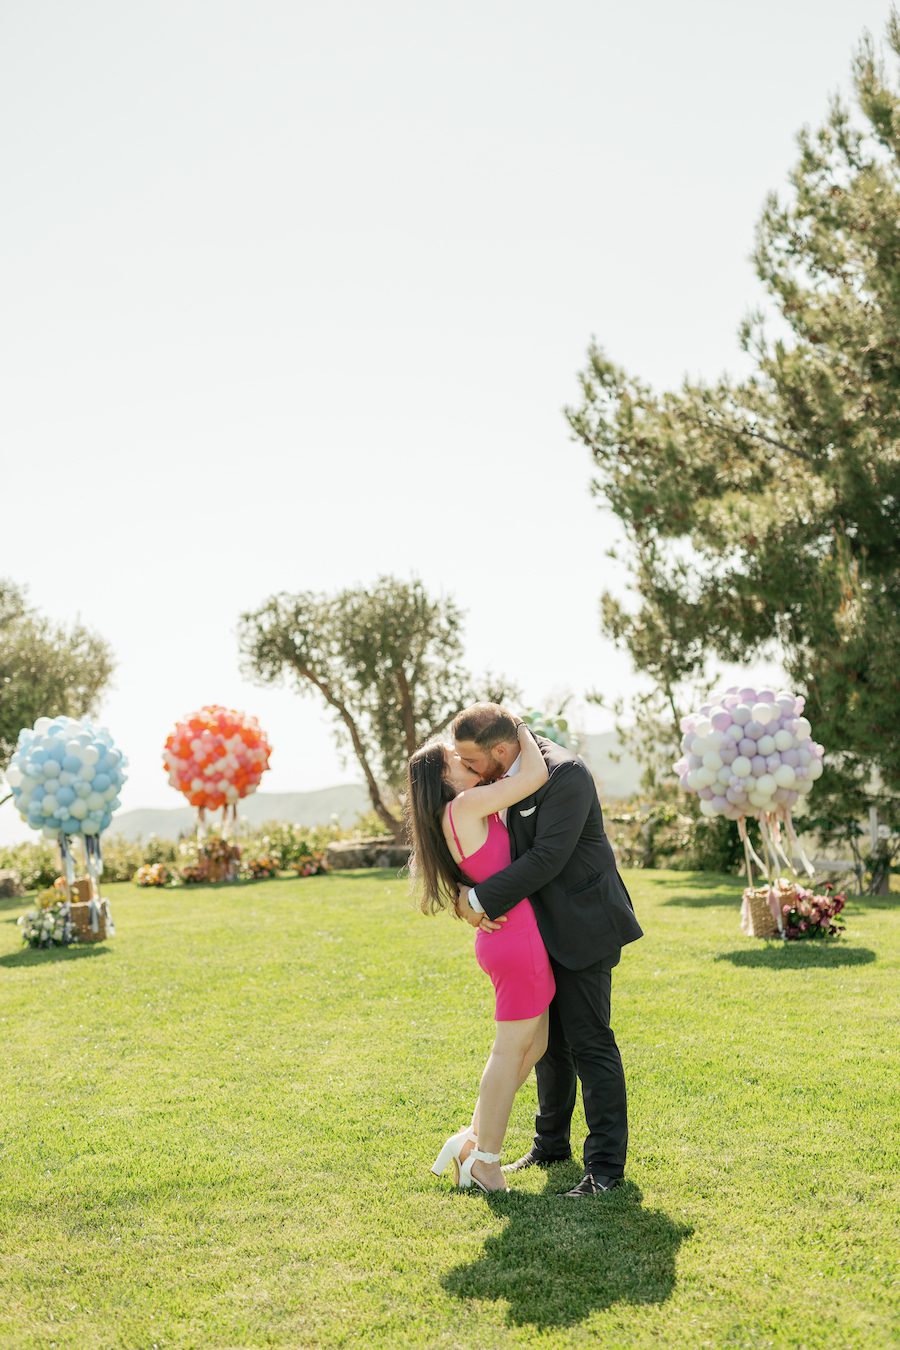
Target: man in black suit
{"points": [[564, 863]]}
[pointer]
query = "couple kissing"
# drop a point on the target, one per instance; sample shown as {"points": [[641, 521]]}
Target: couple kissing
{"points": [[508, 832]]}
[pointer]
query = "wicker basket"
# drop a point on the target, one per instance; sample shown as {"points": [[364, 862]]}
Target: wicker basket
{"points": [[757, 919], [81, 922]]}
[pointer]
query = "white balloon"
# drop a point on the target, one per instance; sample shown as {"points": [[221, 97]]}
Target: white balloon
{"points": [[784, 776], [712, 760], [783, 740], [766, 745], [764, 713], [816, 769], [707, 808], [765, 785], [78, 808], [14, 776], [703, 727], [41, 726], [802, 729], [704, 777], [741, 767], [48, 805]]}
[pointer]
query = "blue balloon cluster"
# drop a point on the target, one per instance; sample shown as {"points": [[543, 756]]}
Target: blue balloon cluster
{"points": [[66, 776]]}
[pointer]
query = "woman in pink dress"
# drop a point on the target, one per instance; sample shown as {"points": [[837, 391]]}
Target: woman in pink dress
{"points": [[460, 838]]}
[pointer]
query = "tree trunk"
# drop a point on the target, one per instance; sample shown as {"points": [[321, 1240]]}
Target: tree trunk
{"points": [[389, 820]]}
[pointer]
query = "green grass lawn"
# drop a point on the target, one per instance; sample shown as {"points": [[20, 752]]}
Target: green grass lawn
{"points": [[218, 1129]]}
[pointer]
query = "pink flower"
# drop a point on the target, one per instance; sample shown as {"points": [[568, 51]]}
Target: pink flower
{"points": [[803, 925]]}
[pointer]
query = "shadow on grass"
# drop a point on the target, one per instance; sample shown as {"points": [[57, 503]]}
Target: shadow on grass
{"points": [[38, 956], [799, 956], [559, 1260]]}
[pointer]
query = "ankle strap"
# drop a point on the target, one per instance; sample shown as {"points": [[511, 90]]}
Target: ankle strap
{"points": [[482, 1156]]}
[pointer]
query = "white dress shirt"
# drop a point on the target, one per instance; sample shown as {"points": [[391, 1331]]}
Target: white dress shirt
{"points": [[513, 769]]}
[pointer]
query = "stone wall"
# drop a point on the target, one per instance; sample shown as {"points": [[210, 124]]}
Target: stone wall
{"points": [[382, 851]]}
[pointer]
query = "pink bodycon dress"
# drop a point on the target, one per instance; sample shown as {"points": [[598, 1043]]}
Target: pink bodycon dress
{"points": [[514, 955]]}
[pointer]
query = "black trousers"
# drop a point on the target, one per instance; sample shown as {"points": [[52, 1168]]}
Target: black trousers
{"points": [[582, 1045]]}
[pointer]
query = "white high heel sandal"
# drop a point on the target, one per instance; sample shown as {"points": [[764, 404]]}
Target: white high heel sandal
{"points": [[452, 1149], [464, 1176]]}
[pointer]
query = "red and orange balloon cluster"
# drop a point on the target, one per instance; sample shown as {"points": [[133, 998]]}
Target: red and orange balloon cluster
{"points": [[216, 756]]}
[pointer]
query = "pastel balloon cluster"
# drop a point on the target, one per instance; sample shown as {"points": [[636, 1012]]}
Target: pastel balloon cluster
{"points": [[216, 756], [66, 776], [748, 753], [551, 728]]}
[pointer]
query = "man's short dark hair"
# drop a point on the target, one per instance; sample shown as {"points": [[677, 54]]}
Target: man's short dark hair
{"points": [[487, 724]]}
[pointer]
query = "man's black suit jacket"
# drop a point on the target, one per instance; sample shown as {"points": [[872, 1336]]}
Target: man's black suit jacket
{"points": [[564, 863]]}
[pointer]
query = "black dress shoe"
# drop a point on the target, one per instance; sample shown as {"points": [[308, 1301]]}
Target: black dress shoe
{"points": [[594, 1183], [535, 1158]]}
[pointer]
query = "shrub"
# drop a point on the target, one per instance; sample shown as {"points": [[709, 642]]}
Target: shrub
{"points": [[37, 864]]}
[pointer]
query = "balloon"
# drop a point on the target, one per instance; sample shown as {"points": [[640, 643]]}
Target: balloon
{"points": [[51, 770], [217, 745], [749, 752]]}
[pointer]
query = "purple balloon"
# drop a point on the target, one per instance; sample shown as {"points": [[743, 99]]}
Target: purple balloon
{"points": [[787, 706], [801, 774], [734, 795], [766, 696], [748, 695], [706, 793], [758, 765], [803, 757], [741, 714], [722, 721], [791, 757], [792, 797], [705, 709], [719, 803], [728, 753], [735, 733], [695, 762], [780, 795], [755, 730], [800, 704], [747, 747], [773, 762]]}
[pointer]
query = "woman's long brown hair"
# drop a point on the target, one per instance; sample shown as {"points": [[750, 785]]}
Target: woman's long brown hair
{"points": [[432, 864]]}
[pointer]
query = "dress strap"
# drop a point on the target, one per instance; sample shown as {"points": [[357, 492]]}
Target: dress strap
{"points": [[453, 828]]}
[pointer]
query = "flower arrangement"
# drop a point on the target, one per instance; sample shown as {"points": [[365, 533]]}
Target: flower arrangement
{"points": [[153, 874], [312, 864], [216, 859], [193, 874], [260, 867], [48, 923], [807, 915]]}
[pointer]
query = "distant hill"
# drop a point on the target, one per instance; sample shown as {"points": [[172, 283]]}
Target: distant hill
{"points": [[350, 800], [301, 808]]}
